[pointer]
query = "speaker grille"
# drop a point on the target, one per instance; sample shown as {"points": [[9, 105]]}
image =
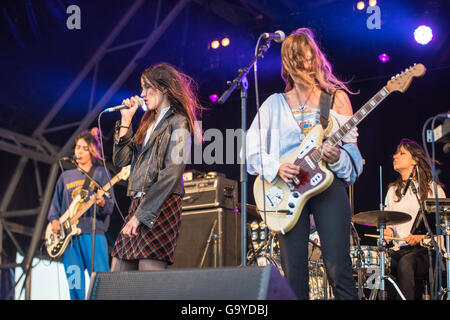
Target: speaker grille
{"points": [[238, 283]]}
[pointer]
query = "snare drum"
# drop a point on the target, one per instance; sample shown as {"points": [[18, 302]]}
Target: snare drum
{"points": [[370, 257]]}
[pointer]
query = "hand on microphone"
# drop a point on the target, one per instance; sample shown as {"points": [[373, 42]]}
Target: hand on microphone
{"points": [[128, 113]]}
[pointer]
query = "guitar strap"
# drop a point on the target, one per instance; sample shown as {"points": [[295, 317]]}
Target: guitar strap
{"points": [[326, 103], [85, 189]]}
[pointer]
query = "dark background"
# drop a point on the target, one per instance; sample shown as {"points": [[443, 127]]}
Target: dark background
{"points": [[40, 57]]}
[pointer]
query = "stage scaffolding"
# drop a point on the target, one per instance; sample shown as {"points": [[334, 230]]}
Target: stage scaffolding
{"points": [[37, 148]]}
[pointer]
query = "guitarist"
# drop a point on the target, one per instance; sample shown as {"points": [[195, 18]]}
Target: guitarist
{"points": [[77, 256], [313, 95]]}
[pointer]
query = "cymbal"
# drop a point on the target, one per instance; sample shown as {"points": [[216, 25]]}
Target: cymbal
{"points": [[372, 218]]}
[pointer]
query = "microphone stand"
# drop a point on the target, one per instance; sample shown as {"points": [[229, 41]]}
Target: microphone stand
{"points": [[94, 218], [94, 226], [241, 81]]}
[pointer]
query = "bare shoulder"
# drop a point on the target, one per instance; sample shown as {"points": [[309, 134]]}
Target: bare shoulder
{"points": [[342, 104]]}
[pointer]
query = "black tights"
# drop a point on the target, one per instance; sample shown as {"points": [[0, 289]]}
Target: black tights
{"points": [[332, 216]]}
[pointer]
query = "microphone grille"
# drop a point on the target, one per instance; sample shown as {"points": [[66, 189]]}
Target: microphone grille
{"points": [[281, 34], [142, 103]]}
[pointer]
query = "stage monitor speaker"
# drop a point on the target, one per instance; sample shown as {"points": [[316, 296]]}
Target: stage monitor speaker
{"points": [[209, 238], [228, 283]]}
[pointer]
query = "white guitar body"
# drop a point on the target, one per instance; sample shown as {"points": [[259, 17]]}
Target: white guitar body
{"points": [[290, 199], [57, 242]]}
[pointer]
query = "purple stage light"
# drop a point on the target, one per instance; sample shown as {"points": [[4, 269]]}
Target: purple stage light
{"points": [[383, 57], [423, 34], [214, 98]]}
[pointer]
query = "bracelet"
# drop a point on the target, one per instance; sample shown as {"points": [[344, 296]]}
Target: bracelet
{"points": [[124, 127]]}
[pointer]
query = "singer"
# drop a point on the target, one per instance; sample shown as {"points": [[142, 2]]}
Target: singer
{"points": [[157, 153], [313, 95], [77, 257], [408, 258]]}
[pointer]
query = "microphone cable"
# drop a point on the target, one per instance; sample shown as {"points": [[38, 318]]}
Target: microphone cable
{"points": [[255, 69], [104, 162]]}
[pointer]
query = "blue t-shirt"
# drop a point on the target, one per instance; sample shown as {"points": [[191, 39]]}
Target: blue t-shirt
{"points": [[69, 186]]}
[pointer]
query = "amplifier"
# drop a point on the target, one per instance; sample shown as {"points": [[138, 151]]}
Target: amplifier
{"points": [[210, 192]]}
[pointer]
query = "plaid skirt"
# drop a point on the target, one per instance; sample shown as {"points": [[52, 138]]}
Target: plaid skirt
{"points": [[157, 243]]}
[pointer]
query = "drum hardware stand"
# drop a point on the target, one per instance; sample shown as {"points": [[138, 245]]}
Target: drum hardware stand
{"points": [[379, 283], [214, 237], [360, 257], [380, 279]]}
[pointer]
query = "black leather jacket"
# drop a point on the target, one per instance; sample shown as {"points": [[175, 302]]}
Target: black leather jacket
{"points": [[156, 167]]}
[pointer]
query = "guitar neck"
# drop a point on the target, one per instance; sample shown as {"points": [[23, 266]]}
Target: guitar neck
{"points": [[85, 206], [354, 120]]}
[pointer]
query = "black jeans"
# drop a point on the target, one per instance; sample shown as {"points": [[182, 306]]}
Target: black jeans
{"points": [[332, 216], [407, 264]]}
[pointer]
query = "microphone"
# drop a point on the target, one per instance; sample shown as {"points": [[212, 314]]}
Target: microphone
{"points": [[408, 182], [141, 104], [72, 158], [277, 36]]}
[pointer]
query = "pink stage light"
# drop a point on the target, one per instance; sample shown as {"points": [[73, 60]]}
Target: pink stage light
{"points": [[214, 98], [383, 57]]}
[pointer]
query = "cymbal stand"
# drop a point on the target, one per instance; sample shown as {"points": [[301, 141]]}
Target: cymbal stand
{"points": [[380, 280], [360, 257]]}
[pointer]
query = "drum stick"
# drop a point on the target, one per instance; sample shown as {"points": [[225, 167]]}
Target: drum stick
{"points": [[386, 237]]}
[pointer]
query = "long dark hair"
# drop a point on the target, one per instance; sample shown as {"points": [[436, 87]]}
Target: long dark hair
{"points": [[182, 94], [423, 174], [92, 138]]}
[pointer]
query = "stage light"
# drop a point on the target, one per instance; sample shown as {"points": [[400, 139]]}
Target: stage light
{"points": [[225, 42], [215, 44], [383, 57], [423, 34], [360, 5], [214, 98], [372, 3]]}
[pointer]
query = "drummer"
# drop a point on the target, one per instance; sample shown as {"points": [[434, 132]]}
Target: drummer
{"points": [[409, 259]]}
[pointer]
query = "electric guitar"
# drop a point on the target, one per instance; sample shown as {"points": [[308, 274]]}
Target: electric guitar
{"points": [[280, 204], [56, 243]]}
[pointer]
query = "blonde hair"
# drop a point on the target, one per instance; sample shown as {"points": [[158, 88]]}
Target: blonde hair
{"points": [[293, 59]]}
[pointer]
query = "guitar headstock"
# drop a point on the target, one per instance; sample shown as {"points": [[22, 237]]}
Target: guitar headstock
{"points": [[402, 81], [124, 173]]}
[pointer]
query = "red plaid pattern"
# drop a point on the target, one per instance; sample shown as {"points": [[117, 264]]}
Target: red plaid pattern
{"points": [[157, 243]]}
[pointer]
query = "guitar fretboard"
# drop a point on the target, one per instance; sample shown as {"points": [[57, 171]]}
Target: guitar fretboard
{"points": [[352, 122], [85, 206]]}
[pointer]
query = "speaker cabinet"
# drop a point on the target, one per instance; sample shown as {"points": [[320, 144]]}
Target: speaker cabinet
{"points": [[228, 283], [209, 238]]}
